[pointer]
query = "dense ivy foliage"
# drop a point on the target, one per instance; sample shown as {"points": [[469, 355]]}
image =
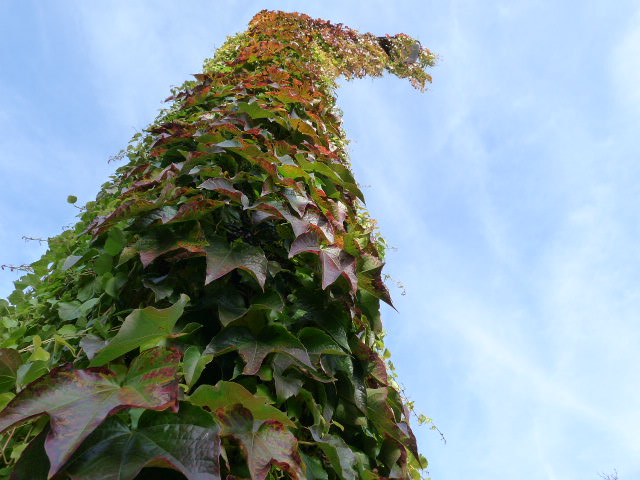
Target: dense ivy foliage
{"points": [[215, 311]]}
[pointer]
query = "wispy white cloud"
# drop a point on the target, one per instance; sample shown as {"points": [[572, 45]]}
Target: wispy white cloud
{"points": [[625, 64]]}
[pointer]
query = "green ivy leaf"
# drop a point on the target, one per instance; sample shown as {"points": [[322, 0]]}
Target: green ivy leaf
{"points": [[254, 110], [318, 342], [253, 350], [231, 306], [227, 394], [263, 443], [68, 311], [5, 398], [116, 240], [188, 441], [72, 199], [77, 401], [70, 261], [29, 372], [141, 327], [193, 365], [288, 382], [342, 458], [222, 258], [10, 361]]}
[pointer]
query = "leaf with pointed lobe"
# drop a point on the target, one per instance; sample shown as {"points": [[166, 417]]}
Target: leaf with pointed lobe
{"points": [[335, 261], [77, 401], [226, 394], [264, 443], [307, 242], [375, 286], [143, 326], [253, 349], [297, 200], [380, 413], [187, 441], [223, 258]]}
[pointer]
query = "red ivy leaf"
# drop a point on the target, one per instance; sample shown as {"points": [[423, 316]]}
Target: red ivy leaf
{"points": [[383, 417], [334, 260], [253, 350], [224, 186], [128, 209], [77, 401], [307, 242], [222, 258], [160, 243], [195, 208], [187, 442], [264, 443]]}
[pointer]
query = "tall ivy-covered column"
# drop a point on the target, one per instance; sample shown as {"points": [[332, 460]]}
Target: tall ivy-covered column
{"points": [[216, 310]]}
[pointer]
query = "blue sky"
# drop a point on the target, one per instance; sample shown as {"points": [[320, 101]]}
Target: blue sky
{"points": [[509, 191]]}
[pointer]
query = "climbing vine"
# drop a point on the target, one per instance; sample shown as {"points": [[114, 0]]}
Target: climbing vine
{"points": [[215, 311]]}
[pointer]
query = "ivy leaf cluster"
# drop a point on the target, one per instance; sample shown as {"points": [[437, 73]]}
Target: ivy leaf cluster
{"points": [[215, 311]]}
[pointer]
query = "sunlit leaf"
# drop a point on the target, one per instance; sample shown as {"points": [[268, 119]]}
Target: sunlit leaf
{"points": [[30, 371], [255, 111], [116, 240], [141, 327], [227, 394]]}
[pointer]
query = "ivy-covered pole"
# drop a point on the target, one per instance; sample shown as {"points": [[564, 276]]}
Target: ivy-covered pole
{"points": [[216, 310]]}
